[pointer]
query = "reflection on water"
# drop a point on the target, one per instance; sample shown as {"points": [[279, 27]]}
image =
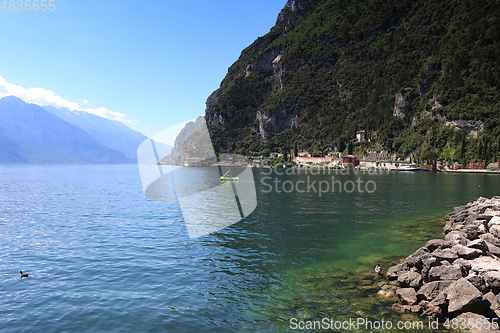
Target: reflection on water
{"points": [[101, 257]]}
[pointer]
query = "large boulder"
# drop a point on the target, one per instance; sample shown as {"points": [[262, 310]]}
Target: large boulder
{"points": [[394, 271], [495, 230], [430, 290], [495, 220], [466, 252], [476, 323], [463, 297], [415, 259], [493, 249], [492, 279], [478, 282], [452, 272], [445, 254], [454, 238], [478, 244], [493, 301], [490, 238], [485, 264], [407, 296], [434, 244], [410, 279]]}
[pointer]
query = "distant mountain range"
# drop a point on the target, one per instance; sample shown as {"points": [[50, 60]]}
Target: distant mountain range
{"points": [[33, 134], [107, 132]]}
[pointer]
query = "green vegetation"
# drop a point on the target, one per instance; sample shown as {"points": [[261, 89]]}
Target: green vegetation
{"points": [[343, 64]]}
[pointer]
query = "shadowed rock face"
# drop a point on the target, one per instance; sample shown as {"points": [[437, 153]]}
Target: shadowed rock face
{"points": [[460, 273]]}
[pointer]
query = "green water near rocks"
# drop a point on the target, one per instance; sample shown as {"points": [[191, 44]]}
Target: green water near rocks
{"points": [[384, 227]]}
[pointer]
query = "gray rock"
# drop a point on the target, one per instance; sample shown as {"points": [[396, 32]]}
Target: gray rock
{"points": [[495, 230], [478, 282], [427, 264], [490, 238], [495, 250], [410, 279], [469, 317], [415, 259], [445, 254], [472, 230], [486, 217], [454, 238], [407, 296], [434, 244], [485, 264], [471, 218], [492, 279], [477, 244], [452, 272], [495, 220], [430, 290], [465, 264], [441, 300], [392, 272], [493, 302], [466, 252], [463, 297]]}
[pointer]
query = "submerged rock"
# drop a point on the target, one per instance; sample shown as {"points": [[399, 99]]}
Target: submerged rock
{"points": [[407, 296]]}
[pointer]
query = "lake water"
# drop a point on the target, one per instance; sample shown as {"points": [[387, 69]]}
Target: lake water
{"points": [[103, 258]]}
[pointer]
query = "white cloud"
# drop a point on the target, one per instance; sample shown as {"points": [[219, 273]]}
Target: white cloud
{"points": [[43, 97], [85, 101]]}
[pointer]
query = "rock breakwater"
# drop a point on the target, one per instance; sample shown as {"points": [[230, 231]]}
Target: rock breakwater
{"points": [[457, 274]]}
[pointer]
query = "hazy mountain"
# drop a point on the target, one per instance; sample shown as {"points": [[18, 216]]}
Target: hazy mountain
{"points": [[177, 153], [110, 133], [31, 134]]}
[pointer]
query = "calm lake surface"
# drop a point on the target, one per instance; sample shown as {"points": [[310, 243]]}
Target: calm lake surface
{"points": [[103, 258]]}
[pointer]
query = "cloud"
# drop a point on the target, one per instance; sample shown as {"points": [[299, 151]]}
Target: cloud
{"points": [[43, 97], [85, 101], [103, 112]]}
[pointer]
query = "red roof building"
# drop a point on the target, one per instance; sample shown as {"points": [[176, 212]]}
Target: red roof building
{"points": [[350, 159]]}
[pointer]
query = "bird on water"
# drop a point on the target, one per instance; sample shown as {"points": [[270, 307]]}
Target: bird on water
{"points": [[23, 274], [378, 269]]}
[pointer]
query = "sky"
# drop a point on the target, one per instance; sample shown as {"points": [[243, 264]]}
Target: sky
{"points": [[148, 64]]}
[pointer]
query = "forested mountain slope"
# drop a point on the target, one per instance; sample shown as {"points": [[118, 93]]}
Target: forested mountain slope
{"points": [[421, 77]]}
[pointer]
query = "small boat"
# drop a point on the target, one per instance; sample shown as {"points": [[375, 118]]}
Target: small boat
{"points": [[226, 177], [410, 167]]}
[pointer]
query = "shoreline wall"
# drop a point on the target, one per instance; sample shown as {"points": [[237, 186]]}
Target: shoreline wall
{"points": [[456, 275]]}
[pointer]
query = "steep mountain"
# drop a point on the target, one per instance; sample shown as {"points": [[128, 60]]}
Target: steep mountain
{"points": [[421, 77], [178, 153], [107, 132], [31, 134]]}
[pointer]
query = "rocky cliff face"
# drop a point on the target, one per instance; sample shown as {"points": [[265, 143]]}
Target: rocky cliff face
{"points": [[330, 68], [177, 151]]}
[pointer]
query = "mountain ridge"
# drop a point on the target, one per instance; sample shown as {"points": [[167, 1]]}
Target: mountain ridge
{"points": [[409, 73], [31, 134], [110, 133]]}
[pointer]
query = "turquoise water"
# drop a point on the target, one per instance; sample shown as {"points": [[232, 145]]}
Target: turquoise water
{"points": [[103, 258]]}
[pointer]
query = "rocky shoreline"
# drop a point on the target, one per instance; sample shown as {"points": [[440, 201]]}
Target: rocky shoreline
{"points": [[457, 275]]}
